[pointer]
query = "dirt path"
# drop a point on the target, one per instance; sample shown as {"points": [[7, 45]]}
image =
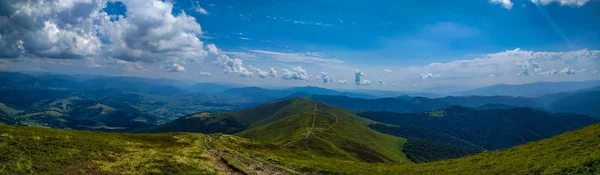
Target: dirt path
{"points": [[221, 165]]}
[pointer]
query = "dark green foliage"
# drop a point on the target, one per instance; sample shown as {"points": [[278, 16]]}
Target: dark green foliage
{"points": [[583, 102], [490, 129], [208, 125], [425, 145]]}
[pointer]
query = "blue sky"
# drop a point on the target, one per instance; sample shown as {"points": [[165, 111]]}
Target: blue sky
{"points": [[396, 45]]}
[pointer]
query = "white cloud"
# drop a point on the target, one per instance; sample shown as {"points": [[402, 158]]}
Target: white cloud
{"points": [[364, 82], [357, 76], [151, 33], [212, 48], [342, 81], [45, 28], [578, 3], [568, 71], [77, 29], [583, 70], [505, 3], [232, 66], [491, 75], [595, 72], [503, 63], [260, 72], [429, 76], [550, 72], [308, 57], [202, 73], [199, 9], [244, 38], [174, 67], [272, 72], [324, 78], [297, 73], [387, 70]]}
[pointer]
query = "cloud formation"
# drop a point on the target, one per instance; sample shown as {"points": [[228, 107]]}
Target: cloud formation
{"points": [[202, 73], [341, 81], [381, 83], [429, 76], [296, 73], [324, 78], [232, 66], [148, 32], [578, 3], [505, 3], [260, 72], [273, 73], [508, 4], [357, 75], [387, 70], [199, 9], [174, 67], [568, 71]]}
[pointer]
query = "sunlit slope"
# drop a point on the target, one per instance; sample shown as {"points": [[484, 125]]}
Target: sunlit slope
{"points": [[316, 128], [28, 150]]}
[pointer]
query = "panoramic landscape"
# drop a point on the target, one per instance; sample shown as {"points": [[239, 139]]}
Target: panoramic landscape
{"points": [[299, 87]]}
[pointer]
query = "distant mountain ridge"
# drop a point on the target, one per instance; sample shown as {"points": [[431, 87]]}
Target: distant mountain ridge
{"points": [[531, 89], [491, 129]]}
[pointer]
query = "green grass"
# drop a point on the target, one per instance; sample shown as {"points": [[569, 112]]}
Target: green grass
{"points": [[28, 150], [336, 133]]}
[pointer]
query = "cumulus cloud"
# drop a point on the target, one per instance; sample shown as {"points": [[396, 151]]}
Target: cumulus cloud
{"points": [[232, 66], [212, 48], [387, 70], [260, 72], [202, 73], [174, 67], [341, 81], [324, 78], [381, 83], [297, 73], [51, 29], [364, 82], [357, 75], [149, 32], [429, 76], [273, 73], [568, 71], [550, 72], [505, 3]]}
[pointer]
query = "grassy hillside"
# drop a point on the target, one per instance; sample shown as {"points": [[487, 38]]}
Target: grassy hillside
{"points": [[303, 125], [27, 150], [315, 128]]}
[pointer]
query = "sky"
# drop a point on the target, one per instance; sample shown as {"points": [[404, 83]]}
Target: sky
{"points": [[351, 44]]}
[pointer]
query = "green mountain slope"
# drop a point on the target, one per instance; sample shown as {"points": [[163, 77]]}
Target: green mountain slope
{"points": [[302, 125], [28, 150]]}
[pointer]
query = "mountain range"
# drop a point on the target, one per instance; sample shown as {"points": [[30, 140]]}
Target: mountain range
{"points": [[300, 136]]}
